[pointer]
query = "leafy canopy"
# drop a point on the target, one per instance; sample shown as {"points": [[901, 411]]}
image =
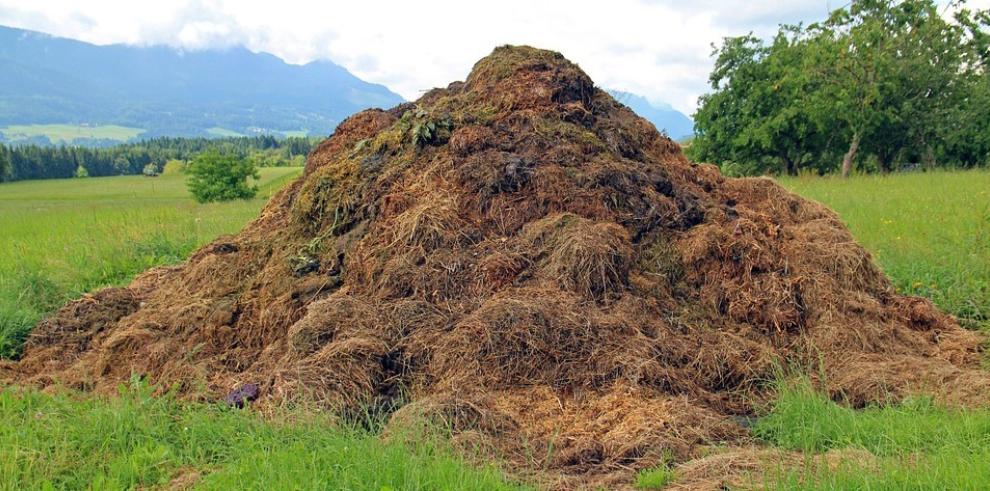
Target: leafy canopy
{"points": [[880, 82], [218, 177]]}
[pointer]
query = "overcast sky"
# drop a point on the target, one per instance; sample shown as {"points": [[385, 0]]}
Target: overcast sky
{"points": [[657, 48]]}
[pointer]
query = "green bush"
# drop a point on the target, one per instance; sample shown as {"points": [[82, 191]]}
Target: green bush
{"points": [[81, 171], [217, 177], [173, 167]]}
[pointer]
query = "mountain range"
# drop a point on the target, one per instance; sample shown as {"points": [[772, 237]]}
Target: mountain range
{"points": [[663, 116], [170, 92], [91, 94]]}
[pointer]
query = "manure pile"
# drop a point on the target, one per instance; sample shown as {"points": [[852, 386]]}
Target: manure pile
{"points": [[524, 258]]}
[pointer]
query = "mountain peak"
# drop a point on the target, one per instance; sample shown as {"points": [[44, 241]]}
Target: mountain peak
{"points": [[661, 114]]}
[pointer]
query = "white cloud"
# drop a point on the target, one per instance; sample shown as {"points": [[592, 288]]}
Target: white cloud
{"points": [[657, 48]]}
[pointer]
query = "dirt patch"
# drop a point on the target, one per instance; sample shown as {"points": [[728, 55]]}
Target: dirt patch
{"points": [[526, 258]]}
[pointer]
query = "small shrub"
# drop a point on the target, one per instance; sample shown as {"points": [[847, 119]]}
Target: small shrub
{"points": [[173, 167], [217, 177], [81, 171], [150, 170], [15, 325]]}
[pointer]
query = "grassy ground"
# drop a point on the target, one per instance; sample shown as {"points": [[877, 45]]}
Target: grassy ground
{"points": [[912, 445], [65, 133], [138, 441], [930, 233], [64, 237]]}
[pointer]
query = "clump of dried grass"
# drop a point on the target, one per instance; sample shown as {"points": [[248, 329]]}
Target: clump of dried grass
{"points": [[581, 255]]}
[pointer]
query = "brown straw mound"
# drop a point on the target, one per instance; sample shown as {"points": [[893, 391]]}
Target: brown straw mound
{"points": [[524, 258]]}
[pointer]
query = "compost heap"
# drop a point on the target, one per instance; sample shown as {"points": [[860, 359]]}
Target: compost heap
{"points": [[528, 260]]}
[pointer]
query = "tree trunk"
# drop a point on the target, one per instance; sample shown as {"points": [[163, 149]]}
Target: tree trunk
{"points": [[928, 158], [790, 167], [847, 160], [884, 162]]}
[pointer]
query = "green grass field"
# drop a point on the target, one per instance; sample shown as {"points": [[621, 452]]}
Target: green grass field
{"points": [[136, 441], [65, 133], [64, 237], [912, 445], [930, 233], [303, 133]]}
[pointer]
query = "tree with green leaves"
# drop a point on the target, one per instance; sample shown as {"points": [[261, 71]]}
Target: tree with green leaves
{"points": [[966, 137], [214, 176], [756, 117], [121, 165], [6, 171], [890, 70], [880, 81]]}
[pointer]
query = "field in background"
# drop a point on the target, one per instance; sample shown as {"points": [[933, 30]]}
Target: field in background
{"points": [[222, 132], [930, 233], [59, 134], [64, 237], [65, 133]]}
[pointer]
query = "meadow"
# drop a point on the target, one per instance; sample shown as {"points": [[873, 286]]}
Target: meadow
{"points": [[65, 133], [134, 440], [65, 237], [222, 132], [929, 231]]}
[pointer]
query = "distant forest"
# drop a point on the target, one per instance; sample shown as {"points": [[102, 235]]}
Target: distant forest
{"points": [[22, 162]]}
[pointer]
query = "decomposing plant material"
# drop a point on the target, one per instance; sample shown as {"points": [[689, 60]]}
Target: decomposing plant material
{"points": [[524, 258]]}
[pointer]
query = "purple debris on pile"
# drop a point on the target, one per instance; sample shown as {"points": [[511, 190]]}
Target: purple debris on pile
{"points": [[242, 395]]}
